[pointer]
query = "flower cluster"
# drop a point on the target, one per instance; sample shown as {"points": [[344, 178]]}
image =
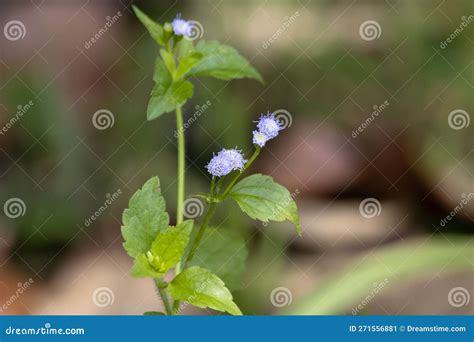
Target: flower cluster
{"points": [[267, 128], [181, 27], [225, 162]]}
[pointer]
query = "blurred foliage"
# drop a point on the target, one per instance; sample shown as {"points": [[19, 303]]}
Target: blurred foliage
{"points": [[386, 268]]}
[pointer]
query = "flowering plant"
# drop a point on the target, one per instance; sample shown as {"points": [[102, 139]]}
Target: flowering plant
{"points": [[159, 248]]}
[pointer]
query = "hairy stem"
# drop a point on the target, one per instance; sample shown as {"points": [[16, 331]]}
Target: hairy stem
{"points": [[180, 135], [164, 297]]}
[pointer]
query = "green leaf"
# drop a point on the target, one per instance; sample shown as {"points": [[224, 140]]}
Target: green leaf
{"points": [[263, 199], [187, 63], [142, 268], [153, 313], [144, 218], [168, 247], [167, 95], [223, 62], [168, 59], [203, 289], [188, 57], [165, 252], [185, 47], [392, 265], [161, 76], [155, 29], [223, 252]]}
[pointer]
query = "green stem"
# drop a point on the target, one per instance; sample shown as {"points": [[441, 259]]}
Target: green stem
{"points": [[193, 244], [213, 184], [179, 128], [164, 298], [196, 236], [237, 176]]}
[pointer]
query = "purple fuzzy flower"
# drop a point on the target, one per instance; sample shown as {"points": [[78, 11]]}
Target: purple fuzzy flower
{"points": [[259, 138], [225, 162], [269, 126], [181, 27]]}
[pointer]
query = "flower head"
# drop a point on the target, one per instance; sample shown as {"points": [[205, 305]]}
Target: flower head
{"points": [[236, 158], [225, 162], [259, 138], [181, 27], [269, 126]]}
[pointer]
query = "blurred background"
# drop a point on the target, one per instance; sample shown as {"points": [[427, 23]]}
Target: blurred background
{"points": [[378, 150]]}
